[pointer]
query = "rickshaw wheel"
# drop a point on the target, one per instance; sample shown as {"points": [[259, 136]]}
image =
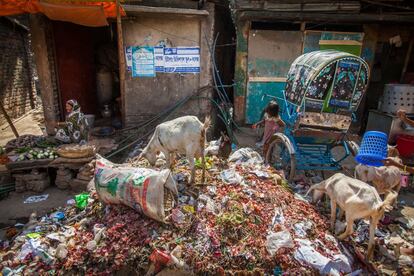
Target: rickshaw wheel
{"points": [[281, 156]]}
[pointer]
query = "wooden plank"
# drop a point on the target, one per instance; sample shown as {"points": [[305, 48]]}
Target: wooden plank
{"points": [[28, 164], [353, 6], [340, 42], [323, 17], [136, 9], [267, 79], [407, 59], [38, 26]]}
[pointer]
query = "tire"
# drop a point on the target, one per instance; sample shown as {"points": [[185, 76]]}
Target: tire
{"points": [[281, 155], [353, 147]]}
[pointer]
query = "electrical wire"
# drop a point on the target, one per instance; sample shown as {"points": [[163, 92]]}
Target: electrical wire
{"points": [[387, 5], [219, 87], [166, 113]]}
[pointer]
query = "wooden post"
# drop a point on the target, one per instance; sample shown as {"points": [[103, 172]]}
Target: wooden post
{"points": [[121, 60], [3, 110], [407, 59], [38, 33]]}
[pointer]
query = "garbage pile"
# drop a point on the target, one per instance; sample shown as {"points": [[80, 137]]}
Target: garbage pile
{"points": [[245, 219], [394, 236]]}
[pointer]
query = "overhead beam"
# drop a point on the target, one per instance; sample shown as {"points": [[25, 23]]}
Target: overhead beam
{"points": [[136, 9], [325, 17]]}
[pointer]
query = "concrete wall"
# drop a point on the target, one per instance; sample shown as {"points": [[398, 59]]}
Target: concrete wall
{"points": [[17, 88], [146, 97]]}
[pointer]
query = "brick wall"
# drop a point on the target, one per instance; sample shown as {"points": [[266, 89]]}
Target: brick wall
{"points": [[17, 88]]}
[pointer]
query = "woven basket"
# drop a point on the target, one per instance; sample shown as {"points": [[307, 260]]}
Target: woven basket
{"points": [[75, 151]]}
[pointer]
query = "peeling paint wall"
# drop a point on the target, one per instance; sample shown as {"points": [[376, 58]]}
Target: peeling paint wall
{"points": [[146, 97], [270, 54]]}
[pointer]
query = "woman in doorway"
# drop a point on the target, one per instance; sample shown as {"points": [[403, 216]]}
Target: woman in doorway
{"points": [[74, 129]]}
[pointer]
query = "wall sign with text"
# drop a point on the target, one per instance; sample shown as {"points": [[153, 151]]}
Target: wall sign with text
{"points": [[147, 61]]}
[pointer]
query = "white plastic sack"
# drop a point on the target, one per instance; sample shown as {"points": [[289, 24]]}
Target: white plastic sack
{"points": [[275, 241], [212, 148], [246, 155], [139, 188], [302, 227], [230, 176], [306, 254]]}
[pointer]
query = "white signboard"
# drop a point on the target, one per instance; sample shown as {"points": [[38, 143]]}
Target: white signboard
{"points": [[143, 62], [128, 56], [159, 59], [182, 60]]}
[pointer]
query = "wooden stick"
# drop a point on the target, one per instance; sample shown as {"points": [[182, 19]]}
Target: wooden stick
{"points": [[9, 120], [407, 59], [121, 57]]}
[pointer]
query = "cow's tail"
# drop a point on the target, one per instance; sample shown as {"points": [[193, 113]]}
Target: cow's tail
{"points": [[203, 136]]}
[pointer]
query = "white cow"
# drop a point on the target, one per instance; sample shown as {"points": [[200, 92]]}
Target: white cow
{"points": [[184, 135], [358, 199]]}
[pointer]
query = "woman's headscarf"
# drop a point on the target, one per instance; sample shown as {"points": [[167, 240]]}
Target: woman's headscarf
{"points": [[75, 105]]}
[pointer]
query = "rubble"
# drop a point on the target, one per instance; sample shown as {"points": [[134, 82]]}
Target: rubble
{"points": [[63, 178]]}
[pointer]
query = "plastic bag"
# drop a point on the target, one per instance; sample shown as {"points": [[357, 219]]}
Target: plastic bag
{"points": [[139, 188], [230, 176], [81, 200], [306, 254], [275, 241], [246, 155], [212, 148]]}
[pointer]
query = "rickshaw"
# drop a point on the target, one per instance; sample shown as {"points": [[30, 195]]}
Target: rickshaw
{"points": [[322, 93]]}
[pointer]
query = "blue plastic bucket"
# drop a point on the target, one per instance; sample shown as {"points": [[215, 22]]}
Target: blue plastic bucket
{"points": [[373, 149]]}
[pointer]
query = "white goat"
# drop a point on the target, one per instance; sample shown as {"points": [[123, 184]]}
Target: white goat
{"points": [[184, 135], [358, 199], [384, 178]]}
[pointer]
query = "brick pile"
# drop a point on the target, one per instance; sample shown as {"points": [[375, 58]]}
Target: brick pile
{"points": [[34, 181]]}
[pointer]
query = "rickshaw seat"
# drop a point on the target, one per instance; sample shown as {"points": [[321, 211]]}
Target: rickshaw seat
{"points": [[319, 133], [322, 125]]}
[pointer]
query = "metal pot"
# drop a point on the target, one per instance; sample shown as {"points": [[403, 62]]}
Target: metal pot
{"points": [[106, 112]]}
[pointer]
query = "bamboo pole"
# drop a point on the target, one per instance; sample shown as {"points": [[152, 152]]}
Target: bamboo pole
{"points": [[121, 59]]}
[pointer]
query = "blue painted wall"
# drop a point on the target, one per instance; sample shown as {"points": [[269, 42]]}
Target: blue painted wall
{"points": [[254, 102]]}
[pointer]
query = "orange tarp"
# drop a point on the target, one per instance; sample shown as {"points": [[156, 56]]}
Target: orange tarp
{"points": [[79, 12], [92, 16]]}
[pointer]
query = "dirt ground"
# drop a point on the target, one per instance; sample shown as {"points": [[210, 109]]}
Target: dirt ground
{"points": [[13, 210]]}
